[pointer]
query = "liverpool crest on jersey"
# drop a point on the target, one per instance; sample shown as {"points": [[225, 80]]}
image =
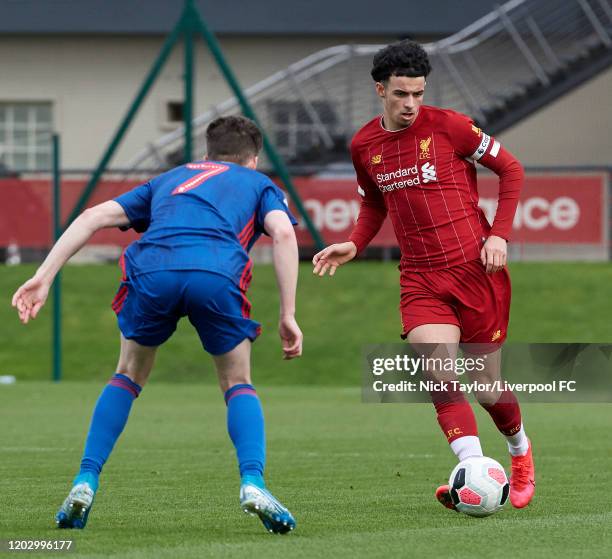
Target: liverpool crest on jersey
{"points": [[424, 147]]}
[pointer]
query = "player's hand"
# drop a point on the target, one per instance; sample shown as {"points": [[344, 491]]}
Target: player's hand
{"points": [[333, 256], [30, 298], [493, 254], [291, 337]]}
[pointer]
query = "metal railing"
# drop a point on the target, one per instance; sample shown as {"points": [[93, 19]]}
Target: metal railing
{"points": [[312, 108]]}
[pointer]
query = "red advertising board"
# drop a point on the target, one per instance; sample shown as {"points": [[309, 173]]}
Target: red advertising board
{"points": [[25, 211], [563, 209]]}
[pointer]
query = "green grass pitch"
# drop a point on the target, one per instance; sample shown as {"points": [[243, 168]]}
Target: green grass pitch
{"points": [[359, 478], [339, 315]]}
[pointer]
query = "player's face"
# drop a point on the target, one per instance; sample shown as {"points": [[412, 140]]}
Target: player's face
{"points": [[402, 97]]}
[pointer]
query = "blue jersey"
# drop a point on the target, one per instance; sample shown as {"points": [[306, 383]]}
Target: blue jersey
{"points": [[200, 216]]}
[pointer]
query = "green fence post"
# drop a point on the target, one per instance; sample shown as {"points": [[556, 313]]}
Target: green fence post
{"points": [[127, 120], [188, 15], [271, 152], [190, 19], [56, 335]]}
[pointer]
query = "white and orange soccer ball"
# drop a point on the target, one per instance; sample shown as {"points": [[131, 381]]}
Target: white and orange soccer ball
{"points": [[479, 486]]}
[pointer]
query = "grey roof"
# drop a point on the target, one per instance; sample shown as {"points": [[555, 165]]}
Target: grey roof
{"points": [[244, 17]]}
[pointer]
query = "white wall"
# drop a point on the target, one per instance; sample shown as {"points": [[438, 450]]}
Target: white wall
{"points": [[91, 81], [574, 130]]}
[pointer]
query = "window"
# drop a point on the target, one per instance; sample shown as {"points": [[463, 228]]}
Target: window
{"points": [[175, 111], [25, 136], [171, 114]]}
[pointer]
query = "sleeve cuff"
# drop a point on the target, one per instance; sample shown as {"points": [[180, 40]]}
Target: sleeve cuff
{"points": [[500, 233], [361, 245]]}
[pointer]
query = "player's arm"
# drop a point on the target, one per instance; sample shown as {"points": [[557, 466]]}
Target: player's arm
{"points": [[475, 144], [372, 214], [511, 175], [31, 296], [510, 172], [285, 257]]}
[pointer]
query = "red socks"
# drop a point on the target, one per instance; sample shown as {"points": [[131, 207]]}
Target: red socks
{"points": [[457, 420], [455, 415], [506, 413]]}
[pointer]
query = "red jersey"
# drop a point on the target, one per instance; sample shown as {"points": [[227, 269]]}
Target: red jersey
{"points": [[424, 177]]}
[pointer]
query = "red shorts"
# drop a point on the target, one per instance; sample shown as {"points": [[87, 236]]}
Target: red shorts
{"points": [[465, 295]]}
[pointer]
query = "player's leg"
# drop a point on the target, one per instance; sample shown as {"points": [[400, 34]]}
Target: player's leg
{"points": [[114, 405], [505, 411], [501, 405], [428, 319], [455, 415], [109, 417], [146, 308], [245, 420], [245, 425], [220, 313], [483, 302]]}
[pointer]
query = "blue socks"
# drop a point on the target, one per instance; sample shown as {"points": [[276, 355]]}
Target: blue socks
{"points": [[109, 418], [245, 425]]}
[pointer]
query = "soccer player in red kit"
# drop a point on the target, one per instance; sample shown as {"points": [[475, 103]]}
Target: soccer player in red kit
{"points": [[417, 164]]}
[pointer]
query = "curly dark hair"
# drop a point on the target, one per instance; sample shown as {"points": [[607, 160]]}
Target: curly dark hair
{"points": [[404, 58], [233, 138]]}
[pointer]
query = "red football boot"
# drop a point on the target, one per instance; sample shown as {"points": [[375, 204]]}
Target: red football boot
{"points": [[522, 480], [443, 495]]}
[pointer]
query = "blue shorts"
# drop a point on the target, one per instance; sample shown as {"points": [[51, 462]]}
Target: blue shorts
{"points": [[149, 306]]}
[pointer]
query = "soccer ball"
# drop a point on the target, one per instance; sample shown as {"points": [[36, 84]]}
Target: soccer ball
{"points": [[479, 486]]}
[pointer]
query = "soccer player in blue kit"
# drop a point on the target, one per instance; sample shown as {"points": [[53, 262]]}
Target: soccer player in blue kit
{"points": [[199, 222]]}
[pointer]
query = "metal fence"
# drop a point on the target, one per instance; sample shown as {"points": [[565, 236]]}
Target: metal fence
{"points": [[312, 108]]}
